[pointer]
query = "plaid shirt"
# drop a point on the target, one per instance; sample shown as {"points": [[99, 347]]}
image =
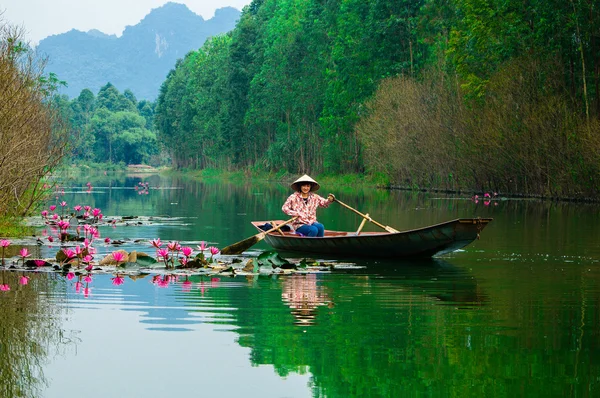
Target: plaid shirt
{"points": [[306, 212]]}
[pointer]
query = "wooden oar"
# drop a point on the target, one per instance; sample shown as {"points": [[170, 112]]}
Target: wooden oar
{"points": [[367, 217], [245, 244]]}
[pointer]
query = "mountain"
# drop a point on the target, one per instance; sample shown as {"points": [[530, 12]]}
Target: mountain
{"points": [[140, 59]]}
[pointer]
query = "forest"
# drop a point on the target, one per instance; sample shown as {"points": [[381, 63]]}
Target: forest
{"points": [[459, 95], [464, 94]]}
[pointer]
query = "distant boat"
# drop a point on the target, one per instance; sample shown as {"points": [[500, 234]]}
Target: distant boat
{"points": [[431, 241]]}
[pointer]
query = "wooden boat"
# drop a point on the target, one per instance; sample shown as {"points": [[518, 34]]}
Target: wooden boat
{"points": [[431, 241]]}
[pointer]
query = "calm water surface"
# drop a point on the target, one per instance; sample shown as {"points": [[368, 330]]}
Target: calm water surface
{"points": [[514, 314]]}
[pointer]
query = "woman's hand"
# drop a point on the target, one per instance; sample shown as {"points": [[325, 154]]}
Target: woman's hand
{"points": [[331, 197]]}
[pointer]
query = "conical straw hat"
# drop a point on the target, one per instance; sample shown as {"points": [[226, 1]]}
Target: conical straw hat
{"points": [[305, 178]]}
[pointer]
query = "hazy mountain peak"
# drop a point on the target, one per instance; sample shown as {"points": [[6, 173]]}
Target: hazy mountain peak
{"points": [[140, 59]]}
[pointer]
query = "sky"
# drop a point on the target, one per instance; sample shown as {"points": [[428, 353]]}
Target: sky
{"points": [[42, 18]]}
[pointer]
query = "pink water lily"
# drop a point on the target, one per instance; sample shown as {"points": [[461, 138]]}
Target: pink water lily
{"points": [[187, 251], [4, 243], [39, 263], [44, 213], [63, 225], [4, 287], [202, 246], [87, 279], [69, 253], [52, 207], [174, 246], [119, 257], [156, 243], [213, 250], [70, 276], [118, 280], [77, 208], [24, 253], [164, 253], [23, 280], [63, 204]]}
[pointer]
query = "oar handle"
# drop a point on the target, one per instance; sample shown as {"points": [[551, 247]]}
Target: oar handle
{"points": [[365, 216], [280, 225]]}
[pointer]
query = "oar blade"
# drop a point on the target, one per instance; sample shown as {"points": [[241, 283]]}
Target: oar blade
{"points": [[241, 246]]}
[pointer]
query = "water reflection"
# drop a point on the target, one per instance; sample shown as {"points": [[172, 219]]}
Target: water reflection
{"points": [[30, 332], [303, 295]]}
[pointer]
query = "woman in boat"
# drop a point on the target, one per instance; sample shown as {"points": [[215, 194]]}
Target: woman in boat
{"points": [[303, 204]]}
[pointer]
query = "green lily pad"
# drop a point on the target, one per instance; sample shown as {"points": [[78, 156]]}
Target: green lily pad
{"points": [[273, 259]]}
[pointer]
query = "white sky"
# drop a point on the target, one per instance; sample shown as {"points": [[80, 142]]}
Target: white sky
{"points": [[42, 18]]}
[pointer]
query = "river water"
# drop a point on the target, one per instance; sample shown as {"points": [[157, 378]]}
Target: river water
{"points": [[515, 313]]}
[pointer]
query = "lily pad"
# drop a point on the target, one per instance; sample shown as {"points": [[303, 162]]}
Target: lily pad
{"points": [[273, 259]]}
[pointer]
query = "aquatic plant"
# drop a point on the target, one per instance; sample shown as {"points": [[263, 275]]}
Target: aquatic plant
{"points": [[4, 243], [24, 253]]}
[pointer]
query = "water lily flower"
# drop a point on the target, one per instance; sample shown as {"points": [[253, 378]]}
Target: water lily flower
{"points": [[77, 208], [87, 208], [119, 257], [55, 216], [187, 251], [52, 207], [4, 243], [89, 268], [174, 246], [87, 279], [4, 287], [202, 246], [213, 250], [24, 253], [50, 239], [156, 243], [69, 253], [63, 203], [70, 276], [39, 263], [107, 240], [23, 280], [486, 195], [96, 212], [118, 280], [44, 213], [164, 253]]}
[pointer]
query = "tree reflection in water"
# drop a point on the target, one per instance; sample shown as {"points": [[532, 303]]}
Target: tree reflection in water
{"points": [[303, 295], [29, 332]]}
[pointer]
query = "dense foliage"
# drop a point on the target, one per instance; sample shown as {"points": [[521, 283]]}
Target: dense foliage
{"points": [[32, 136], [465, 94], [111, 127]]}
